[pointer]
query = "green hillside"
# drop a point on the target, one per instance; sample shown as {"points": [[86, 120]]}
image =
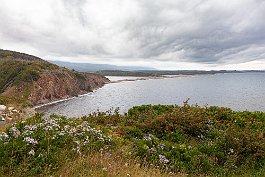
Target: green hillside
{"points": [[16, 71]]}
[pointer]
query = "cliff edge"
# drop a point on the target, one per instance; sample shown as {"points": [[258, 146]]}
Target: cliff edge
{"points": [[29, 80]]}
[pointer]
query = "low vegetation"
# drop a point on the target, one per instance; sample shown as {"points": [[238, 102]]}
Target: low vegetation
{"points": [[17, 72], [150, 140]]}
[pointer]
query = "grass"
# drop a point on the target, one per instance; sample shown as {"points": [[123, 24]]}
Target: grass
{"points": [[150, 140], [111, 164]]}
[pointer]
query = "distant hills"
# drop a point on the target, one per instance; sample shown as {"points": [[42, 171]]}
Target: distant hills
{"points": [[155, 73], [114, 70], [89, 67]]}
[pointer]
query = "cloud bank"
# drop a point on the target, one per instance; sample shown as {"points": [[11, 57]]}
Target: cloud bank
{"points": [[212, 33]]}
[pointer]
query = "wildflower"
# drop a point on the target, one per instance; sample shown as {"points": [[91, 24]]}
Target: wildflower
{"points": [[32, 152], [31, 127], [3, 136], [163, 159], [152, 150], [29, 140], [86, 140], [66, 127], [149, 137], [14, 131], [162, 146]]}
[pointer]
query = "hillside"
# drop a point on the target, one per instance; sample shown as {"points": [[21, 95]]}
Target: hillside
{"points": [[29, 80], [8, 54]]}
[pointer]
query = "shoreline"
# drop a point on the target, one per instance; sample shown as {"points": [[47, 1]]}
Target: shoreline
{"points": [[154, 77], [62, 100], [112, 82]]}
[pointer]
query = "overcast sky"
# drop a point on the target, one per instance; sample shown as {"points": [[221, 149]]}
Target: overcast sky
{"points": [[165, 34]]}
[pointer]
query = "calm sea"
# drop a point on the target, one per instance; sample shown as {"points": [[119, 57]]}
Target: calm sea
{"points": [[238, 91]]}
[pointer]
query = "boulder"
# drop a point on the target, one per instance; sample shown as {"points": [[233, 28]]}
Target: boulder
{"points": [[10, 108], [2, 107], [9, 119], [2, 118]]}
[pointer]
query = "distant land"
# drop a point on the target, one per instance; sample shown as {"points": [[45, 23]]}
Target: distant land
{"points": [[138, 71], [158, 73], [89, 67]]}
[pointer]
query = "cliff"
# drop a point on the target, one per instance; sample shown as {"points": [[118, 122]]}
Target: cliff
{"points": [[32, 81]]}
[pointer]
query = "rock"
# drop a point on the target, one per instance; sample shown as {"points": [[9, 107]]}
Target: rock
{"points": [[9, 119], [2, 107], [2, 118], [15, 111], [10, 108]]}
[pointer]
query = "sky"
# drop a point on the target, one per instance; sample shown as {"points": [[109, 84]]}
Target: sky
{"points": [[164, 34]]}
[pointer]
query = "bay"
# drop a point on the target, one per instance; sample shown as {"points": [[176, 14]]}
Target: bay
{"points": [[240, 91]]}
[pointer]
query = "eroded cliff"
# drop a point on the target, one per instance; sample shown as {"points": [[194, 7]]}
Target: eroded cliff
{"points": [[29, 80]]}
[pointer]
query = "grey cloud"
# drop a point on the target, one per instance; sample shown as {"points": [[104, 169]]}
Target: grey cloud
{"points": [[200, 31]]}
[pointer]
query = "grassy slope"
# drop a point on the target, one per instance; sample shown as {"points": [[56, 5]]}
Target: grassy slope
{"points": [[17, 69], [148, 141]]}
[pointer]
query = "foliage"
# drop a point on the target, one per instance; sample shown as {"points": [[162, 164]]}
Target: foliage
{"points": [[41, 144], [13, 100], [209, 141], [16, 72], [191, 139]]}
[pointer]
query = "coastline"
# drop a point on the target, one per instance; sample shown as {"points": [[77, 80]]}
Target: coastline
{"points": [[62, 100], [118, 81], [155, 77]]}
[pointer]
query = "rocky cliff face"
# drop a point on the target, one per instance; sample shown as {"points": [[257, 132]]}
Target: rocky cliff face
{"points": [[53, 86]]}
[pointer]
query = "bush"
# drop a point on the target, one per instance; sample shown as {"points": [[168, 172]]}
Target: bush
{"points": [[42, 144], [188, 139]]}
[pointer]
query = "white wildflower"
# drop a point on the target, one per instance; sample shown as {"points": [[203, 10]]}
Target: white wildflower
{"points": [[29, 140], [3, 136], [32, 152], [14, 131], [163, 159]]}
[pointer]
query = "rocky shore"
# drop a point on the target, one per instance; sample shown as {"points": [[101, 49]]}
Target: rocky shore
{"points": [[8, 114], [11, 114]]}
